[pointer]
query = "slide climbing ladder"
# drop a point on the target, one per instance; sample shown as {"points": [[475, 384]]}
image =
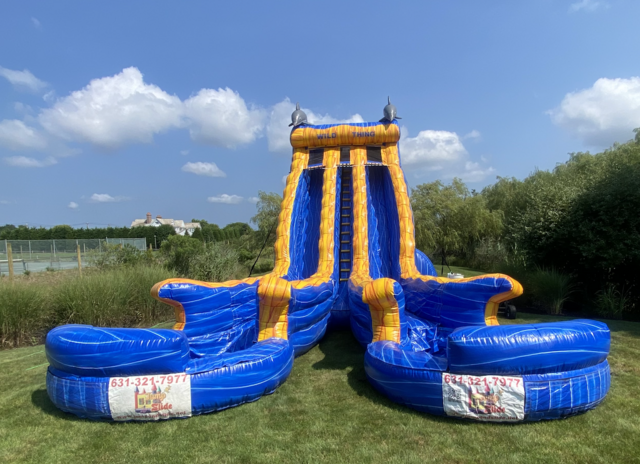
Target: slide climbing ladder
{"points": [[346, 228]]}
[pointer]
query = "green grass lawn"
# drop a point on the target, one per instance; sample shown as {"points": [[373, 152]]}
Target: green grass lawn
{"points": [[465, 271], [325, 412]]}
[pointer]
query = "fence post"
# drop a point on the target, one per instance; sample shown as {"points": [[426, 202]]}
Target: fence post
{"points": [[79, 260], [54, 248], [10, 261], [30, 257]]}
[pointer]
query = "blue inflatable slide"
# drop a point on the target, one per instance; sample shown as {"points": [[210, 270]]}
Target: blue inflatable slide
{"points": [[345, 258]]}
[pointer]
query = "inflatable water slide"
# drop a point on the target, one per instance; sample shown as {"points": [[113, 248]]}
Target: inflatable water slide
{"points": [[345, 259]]}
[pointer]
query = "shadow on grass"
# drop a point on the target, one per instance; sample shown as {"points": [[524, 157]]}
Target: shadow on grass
{"points": [[342, 351], [40, 399]]}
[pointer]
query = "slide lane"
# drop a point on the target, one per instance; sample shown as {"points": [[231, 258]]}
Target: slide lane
{"points": [[377, 304], [297, 305]]}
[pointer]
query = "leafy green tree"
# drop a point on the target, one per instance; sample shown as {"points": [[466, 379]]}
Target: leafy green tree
{"points": [[451, 220], [266, 218], [163, 232], [5, 230], [209, 232], [237, 230], [62, 232], [198, 235]]}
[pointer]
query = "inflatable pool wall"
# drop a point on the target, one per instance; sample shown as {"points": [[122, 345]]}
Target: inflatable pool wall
{"points": [[345, 258]]}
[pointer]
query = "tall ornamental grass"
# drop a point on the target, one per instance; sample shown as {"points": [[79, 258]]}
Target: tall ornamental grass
{"points": [[23, 315], [551, 288], [612, 302], [116, 296]]}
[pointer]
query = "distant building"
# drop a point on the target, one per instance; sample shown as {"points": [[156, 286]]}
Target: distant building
{"points": [[180, 226]]}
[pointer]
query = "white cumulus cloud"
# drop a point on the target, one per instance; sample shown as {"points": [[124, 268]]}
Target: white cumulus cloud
{"points": [[442, 151], [204, 169], [23, 80], [184, 152], [105, 198], [587, 5], [221, 117], [253, 200], [26, 162], [431, 148], [113, 111], [474, 134], [117, 110], [605, 113], [278, 129], [16, 135], [224, 198], [72, 205]]}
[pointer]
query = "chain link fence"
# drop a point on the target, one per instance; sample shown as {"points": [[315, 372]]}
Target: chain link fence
{"points": [[40, 255]]}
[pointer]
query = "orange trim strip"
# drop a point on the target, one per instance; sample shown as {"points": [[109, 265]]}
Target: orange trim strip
{"points": [[283, 231], [344, 135], [385, 311], [274, 294]]}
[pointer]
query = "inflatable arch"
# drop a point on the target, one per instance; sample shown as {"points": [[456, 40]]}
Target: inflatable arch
{"points": [[345, 258]]}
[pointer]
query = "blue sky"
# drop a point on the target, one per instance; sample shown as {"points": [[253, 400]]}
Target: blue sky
{"points": [[109, 110]]}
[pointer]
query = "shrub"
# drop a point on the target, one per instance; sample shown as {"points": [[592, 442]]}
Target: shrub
{"points": [[211, 262], [118, 255], [216, 262], [179, 251]]}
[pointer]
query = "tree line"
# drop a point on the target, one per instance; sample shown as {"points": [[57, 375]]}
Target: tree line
{"points": [[154, 235]]}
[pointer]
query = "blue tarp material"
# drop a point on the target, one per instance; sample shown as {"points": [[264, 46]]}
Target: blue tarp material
{"points": [[528, 349], [100, 352]]}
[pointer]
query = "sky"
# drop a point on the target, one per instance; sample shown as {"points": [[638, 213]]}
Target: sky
{"points": [[110, 110]]}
